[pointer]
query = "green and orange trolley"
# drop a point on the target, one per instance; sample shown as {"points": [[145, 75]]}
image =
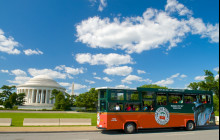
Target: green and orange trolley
{"points": [[141, 108]]}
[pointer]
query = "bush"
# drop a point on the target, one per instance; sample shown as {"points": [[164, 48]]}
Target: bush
{"points": [[87, 110], [54, 109], [15, 108], [1, 108], [91, 110], [81, 110]]}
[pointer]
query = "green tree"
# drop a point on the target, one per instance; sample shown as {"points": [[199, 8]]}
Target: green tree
{"points": [[6, 91], [153, 86], [13, 98], [193, 86], [60, 101], [87, 99], [1, 99], [20, 99], [54, 94], [7, 104], [63, 100]]}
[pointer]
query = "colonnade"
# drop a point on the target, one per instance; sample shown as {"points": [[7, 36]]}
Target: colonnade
{"points": [[37, 96]]}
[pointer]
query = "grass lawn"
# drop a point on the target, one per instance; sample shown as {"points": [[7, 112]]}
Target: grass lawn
{"points": [[18, 118]]}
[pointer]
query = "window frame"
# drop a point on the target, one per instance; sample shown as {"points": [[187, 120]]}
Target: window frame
{"points": [[116, 92]]}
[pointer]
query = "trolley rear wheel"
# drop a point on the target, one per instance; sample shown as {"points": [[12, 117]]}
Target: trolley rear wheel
{"points": [[190, 126]]}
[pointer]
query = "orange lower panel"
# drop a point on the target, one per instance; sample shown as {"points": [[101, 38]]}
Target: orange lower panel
{"points": [[142, 120]]}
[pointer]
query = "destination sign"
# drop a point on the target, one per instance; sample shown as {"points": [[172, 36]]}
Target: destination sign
{"points": [[172, 90]]}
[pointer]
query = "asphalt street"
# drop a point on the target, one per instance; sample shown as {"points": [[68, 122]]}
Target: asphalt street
{"points": [[205, 133]]}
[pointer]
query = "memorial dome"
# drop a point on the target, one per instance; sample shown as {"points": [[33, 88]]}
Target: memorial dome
{"points": [[38, 90], [42, 81]]}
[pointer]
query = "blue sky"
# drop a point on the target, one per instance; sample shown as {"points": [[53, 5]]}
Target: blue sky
{"points": [[109, 43]]}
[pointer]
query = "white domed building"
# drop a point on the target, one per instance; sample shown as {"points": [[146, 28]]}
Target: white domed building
{"points": [[38, 91]]}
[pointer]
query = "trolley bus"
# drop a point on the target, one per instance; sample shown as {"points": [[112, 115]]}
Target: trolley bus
{"points": [[141, 108]]}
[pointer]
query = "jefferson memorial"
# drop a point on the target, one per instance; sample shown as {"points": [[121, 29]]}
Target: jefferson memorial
{"points": [[38, 92]]}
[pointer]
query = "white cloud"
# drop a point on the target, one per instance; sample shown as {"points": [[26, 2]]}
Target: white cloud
{"points": [[65, 84], [79, 86], [19, 80], [51, 73], [141, 72], [131, 78], [8, 45], [69, 70], [168, 81], [90, 82], [200, 78], [121, 87], [183, 76], [102, 5], [19, 72], [69, 86], [175, 76], [174, 6], [94, 73], [107, 79], [154, 29], [98, 78], [4, 71], [111, 59], [121, 71], [33, 52], [216, 69], [206, 31]]}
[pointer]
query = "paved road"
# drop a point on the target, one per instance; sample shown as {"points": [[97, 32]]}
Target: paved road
{"points": [[211, 133]]}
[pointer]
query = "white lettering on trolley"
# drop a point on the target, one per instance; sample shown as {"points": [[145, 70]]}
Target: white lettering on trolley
{"points": [[114, 120], [177, 106]]}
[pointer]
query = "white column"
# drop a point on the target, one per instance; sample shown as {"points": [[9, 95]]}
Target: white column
{"points": [[46, 102], [28, 97], [32, 97], [41, 99], [50, 101], [37, 96], [26, 94]]}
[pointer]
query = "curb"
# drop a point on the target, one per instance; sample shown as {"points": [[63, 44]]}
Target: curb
{"points": [[47, 129]]}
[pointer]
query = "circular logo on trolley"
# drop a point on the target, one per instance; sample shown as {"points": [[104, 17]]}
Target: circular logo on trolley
{"points": [[162, 116]]}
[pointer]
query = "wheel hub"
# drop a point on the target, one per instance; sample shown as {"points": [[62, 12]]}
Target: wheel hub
{"points": [[130, 128]]}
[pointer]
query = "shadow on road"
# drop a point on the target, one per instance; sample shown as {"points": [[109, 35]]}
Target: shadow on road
{"points": [[158, 130]]}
